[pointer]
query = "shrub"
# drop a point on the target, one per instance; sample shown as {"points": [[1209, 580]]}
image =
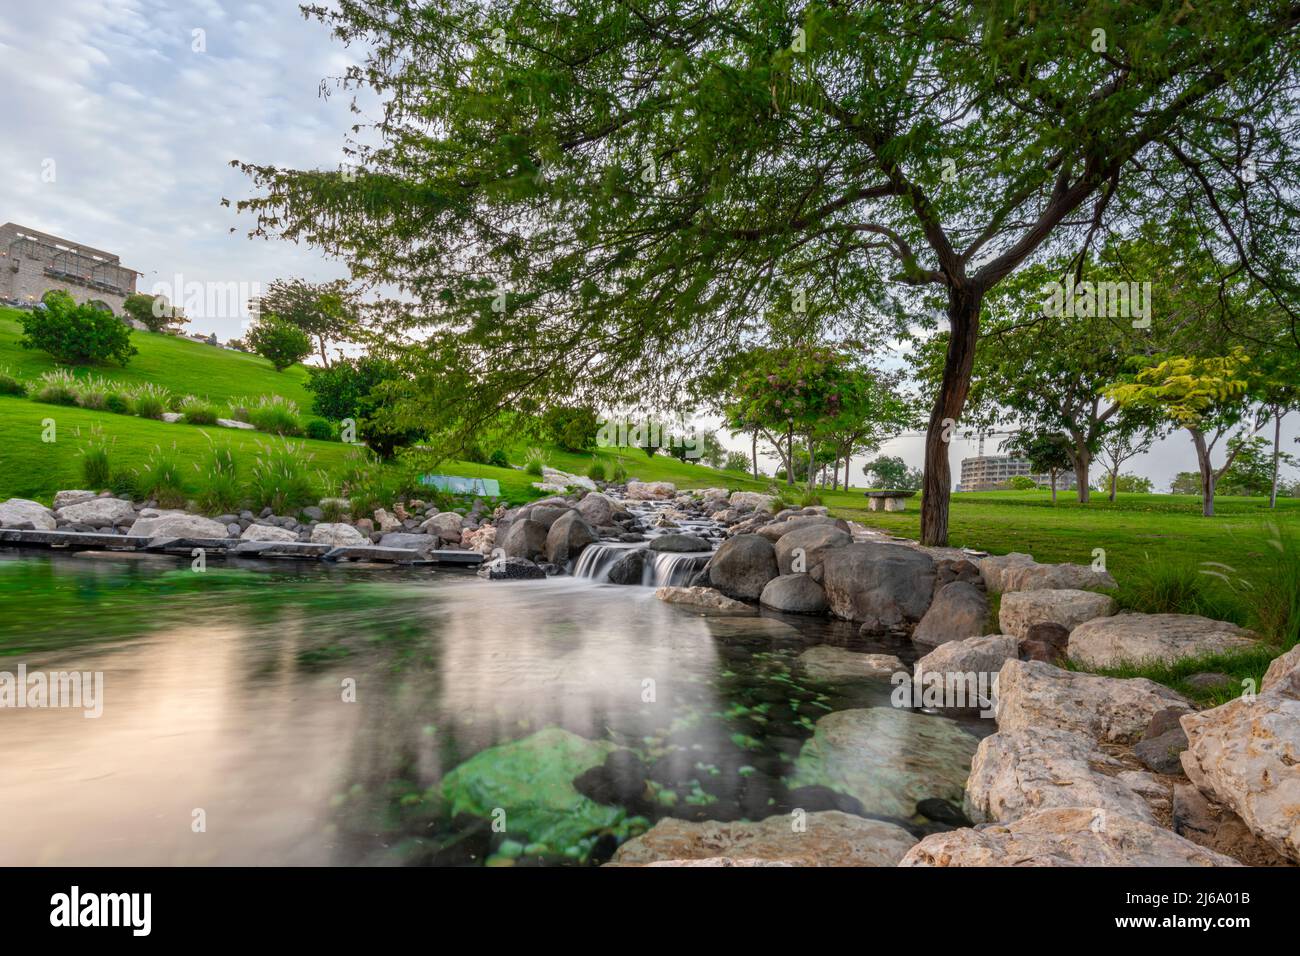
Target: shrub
{"points": [[615, 471], [150, 400], [736, 461], [319, 429], [117, 404], [161, 480], [199, 412], [280, 343], [1023, 483], [75, 334], [174, 402], [498, 459], [279, 478], [92, 399], [219, 490], [596, 470], [154, 312], [808, 499], [573, 429], [275, 420], [9, 385], [95, 471], [534, 461], [123, 484], [57, 387]]}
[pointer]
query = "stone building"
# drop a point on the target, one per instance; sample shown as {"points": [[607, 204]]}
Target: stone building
{"points": [[33, 262], [991, 472]]}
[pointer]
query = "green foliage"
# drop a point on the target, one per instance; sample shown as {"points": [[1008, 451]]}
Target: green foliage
{"points": [[96, 470], [76, 334], [1022, 483], [154, 312], [280, 478], [498, 459], [198, 411], [319, 429], [280, 343], [1275, 596], [808, 500], [535, 460], [57, 387], [736, 461], [573, 429], [9, 385], [1185, 483], [596, 470], [274, 415], [1251, 471], [1174, 585], [1129, 483], [161, 479], [117, 403], [219, 487], [327, 312], [891, 472]]}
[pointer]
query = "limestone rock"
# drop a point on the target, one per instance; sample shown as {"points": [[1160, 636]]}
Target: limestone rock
{"points": [[336, 534], [20, 512], [650, 490], [1016, 772], [1281, 666], [1033, 695], [597, 509], [177, 524], [1056, 577], [708, 599], [679, 543], [1069, 608], [101, 513], [994, 567], [385, 522], [423, 543], [752, 499], [1245, 754], [64, 498], [978, 655], [1066, 836], [267, 532], [831, 838], [1109, 641]]}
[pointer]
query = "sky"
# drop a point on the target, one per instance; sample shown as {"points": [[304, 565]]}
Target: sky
{"points": [[122, 117]]}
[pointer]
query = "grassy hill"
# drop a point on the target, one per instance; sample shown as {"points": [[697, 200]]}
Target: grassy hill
{"points": [[178, 364]]}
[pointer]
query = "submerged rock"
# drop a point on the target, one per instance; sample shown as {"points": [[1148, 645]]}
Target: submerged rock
{"points": [[531, 780], [888, 759], [510, 569], [1067, 836], [830, 663], [708, 599], [826, 838], [630, 568]]}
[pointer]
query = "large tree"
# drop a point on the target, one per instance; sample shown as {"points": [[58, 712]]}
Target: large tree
{"points": [[602, 196]]}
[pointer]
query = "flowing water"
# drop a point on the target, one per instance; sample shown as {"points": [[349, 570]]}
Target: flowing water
{"points": [[283, 713]]}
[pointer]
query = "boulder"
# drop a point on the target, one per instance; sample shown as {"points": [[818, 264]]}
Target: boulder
{"points": [[1109, 641], [1217, 828], [679, 543], [1064, 836], [1245, 755], [64, 498], [598, 510], [22, 513], [806, 546], [775, 530], [1016, 772], [707, 599], [826, 838], [882, 585], [995, 566], [336, 534], [752, 499], [650, 490], [794, 594], [555, 480], [101, 513], [423, 543], [1045, 642], [1069, 608], [1056, 577], [974, 655], [267, 532], [525, 538], [742, 566], [839, 665], [483, 540], [1033, 695], [1280, 668], [385, 522], [1161, 747], [176, 524], [544, 514], [510, 569], [567, 537], [888, 758], [628, 569], [960, 610], [234, 423]]}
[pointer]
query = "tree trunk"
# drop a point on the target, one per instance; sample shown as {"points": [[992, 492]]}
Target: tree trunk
{"points": [[324, 360], [1052, 473], [1277, 436], [753, 451], [1114, 482], [789, 464], [1082, 462], [1207, 473], [963, 321], [812, 466]]}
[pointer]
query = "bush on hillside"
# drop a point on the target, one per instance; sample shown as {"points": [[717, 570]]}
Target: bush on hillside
{"points": [[76, 334], [319, 429], [573, 429], [117, 404], [154, 312], [10, 385], [280, 343], [736, 461], [498, 459], [199, 412]]}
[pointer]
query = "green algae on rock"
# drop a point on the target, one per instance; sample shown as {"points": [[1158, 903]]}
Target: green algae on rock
{"points": [[531, 780]]}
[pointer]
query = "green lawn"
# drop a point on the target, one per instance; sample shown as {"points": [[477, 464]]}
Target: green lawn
{"points": [[182, 366]]}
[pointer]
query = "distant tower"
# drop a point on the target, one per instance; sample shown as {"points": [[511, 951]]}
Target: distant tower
{"points": [[981, 451]]}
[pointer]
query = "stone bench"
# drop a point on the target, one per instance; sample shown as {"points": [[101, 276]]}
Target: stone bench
{"points": [[888, 500]]}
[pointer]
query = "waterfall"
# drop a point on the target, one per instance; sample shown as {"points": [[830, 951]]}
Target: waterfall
{"points": [[660, 568], [669, 569], [595, 560]]}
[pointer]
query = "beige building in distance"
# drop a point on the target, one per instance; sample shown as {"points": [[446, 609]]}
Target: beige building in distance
{"points": [[991, 472], [33, 262]]}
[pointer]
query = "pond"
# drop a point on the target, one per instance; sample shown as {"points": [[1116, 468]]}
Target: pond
{"points": [[295, 714]]}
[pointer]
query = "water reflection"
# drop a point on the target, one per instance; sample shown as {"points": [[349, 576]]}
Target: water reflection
{"points": [[226, 692]]}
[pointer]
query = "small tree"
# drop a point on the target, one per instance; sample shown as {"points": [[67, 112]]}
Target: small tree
{"points": [[890, 471], [1047, 453], [76, 334], [326, 312], [573, 429], [154, 312], [280, 343], [356, 389]]}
